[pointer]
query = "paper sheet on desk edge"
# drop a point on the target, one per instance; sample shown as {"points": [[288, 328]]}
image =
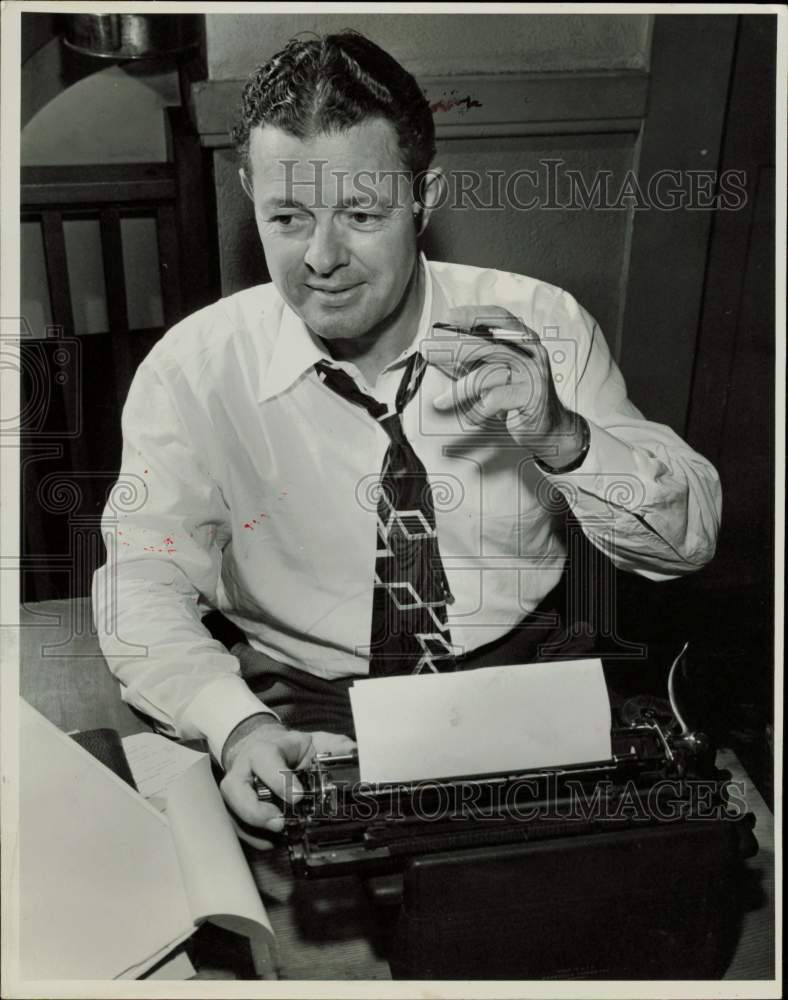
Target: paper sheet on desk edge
{"points": [[426, 726], [216, 875], [66, 759]]}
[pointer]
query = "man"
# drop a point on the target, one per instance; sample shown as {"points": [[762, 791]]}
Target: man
{"points": [[358, 492]]}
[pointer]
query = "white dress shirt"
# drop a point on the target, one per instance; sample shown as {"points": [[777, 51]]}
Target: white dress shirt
{"points": [[248, 486]]}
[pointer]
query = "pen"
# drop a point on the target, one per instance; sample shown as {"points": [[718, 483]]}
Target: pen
{"points": [[485, 331]]}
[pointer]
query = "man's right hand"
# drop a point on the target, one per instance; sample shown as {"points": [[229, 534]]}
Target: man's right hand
{"points": [[262, 747]]}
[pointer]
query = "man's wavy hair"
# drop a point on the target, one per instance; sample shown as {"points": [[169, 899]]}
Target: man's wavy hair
{"points": [[331, 83]]}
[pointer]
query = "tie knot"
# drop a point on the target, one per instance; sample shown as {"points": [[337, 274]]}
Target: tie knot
{"points": [[344, 385]]}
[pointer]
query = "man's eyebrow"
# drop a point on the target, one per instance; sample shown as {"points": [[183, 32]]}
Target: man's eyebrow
{"points": [[272, 203], [377, 201]]}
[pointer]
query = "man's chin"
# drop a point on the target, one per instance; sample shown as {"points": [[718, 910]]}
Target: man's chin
{"points": [[339, 324]]}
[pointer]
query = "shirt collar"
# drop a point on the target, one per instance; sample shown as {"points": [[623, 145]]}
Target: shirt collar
{"points": [[296, 350]]}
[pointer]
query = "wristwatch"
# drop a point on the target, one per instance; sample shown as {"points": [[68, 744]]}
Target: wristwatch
{"points": [[576, 462]]}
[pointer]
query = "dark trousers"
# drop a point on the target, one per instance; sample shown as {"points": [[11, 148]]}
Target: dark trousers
{"points": [[311, 703]]}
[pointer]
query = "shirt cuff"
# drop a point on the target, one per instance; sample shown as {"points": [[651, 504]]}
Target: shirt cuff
{"points": [[607, 457], [219, 707]]}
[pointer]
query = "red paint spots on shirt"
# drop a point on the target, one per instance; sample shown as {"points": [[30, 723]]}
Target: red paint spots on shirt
{"points": [[249, 526], [168, 541]]}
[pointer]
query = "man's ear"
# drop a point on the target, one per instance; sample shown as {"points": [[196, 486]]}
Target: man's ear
{"points": [[246, 183], [432, 191]]}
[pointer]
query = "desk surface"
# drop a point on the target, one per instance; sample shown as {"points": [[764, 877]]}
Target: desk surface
{"points": [[324, 930]]}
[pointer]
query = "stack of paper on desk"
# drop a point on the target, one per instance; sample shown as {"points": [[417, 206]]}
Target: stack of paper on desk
{"points": [[108, 886], [515, 718]]}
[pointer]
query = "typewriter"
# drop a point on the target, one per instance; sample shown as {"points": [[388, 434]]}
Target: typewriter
{"points": [[625, 868]]}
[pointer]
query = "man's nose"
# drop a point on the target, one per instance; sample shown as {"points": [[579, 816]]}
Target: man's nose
{"points": [[326, 250]]}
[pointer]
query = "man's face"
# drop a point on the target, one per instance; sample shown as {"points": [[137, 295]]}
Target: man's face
{"points": [[335, 216]]}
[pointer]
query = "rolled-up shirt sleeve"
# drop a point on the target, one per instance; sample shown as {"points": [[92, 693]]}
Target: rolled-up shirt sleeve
{"points": [[642, 495], [164, 526]]}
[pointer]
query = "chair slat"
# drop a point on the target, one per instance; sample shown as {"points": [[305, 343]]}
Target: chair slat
{"points": [[114, 275], [169, 264], [117, 300], [57, 270]]}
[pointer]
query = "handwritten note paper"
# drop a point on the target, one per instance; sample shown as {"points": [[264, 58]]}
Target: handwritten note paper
{"points": [[156, 763], [514, 718]]}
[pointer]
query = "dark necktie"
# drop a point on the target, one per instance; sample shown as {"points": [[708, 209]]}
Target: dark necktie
{"points": [[409, 625]]}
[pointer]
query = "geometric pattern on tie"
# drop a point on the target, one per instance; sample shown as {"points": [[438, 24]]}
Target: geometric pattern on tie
{"points": [[409, 631]]}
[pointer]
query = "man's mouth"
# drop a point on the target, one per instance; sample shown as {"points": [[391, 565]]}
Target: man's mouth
{"points": [[336, 294]]}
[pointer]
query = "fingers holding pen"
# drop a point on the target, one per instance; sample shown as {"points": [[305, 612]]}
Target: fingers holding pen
{"points": [[493, 357], [498, 367], [484, 392], [500, 382], [457, 352]]}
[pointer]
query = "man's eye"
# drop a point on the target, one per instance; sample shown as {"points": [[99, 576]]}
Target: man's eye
{"points": [[288, 220], [362, 218]]}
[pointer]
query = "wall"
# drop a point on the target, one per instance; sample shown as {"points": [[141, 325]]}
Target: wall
{"points": [[42, 75], [113, 116], [440, 44]]}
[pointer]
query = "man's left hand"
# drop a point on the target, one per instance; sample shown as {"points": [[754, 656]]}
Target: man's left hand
{"points": [[507, 375]]}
